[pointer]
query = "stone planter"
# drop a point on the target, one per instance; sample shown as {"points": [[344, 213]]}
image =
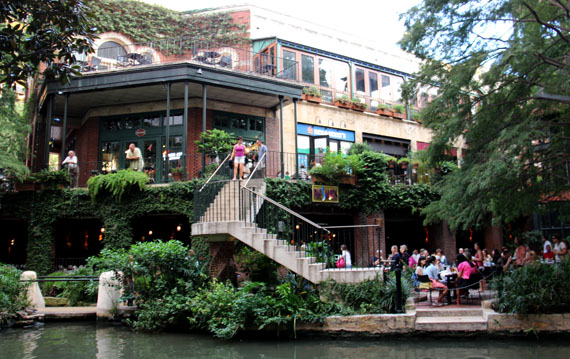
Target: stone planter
{"points": [[311, 98], [26, 186]]}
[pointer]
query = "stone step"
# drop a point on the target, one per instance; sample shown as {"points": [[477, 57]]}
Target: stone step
{"points": [[446, 324], [449, 312]]}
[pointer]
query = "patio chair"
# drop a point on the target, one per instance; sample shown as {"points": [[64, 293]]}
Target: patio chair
{"points": [[425, 286]]}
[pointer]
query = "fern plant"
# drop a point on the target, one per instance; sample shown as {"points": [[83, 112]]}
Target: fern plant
{"points": [[116, 184]]}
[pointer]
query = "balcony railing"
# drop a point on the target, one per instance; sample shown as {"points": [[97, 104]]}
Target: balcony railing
{"points": [[230, 57]]}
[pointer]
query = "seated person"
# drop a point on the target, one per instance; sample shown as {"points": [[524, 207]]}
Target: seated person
{"points": [[467, 274], [504, 262], [433, 273], [548, 254]]}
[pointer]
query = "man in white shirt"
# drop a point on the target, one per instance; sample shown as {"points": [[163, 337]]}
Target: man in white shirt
{"points": [[70, 162], [560, 249], [545, 243], [134, 158]]}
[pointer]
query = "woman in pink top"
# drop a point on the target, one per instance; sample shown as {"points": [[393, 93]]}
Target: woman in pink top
{"points": [[467, 273], [238, 156]]}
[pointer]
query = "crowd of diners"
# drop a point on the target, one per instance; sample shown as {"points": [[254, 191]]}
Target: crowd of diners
{"points": [[472, 266]]}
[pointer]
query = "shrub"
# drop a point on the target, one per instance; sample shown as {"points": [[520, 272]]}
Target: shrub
{"points": [[12, 293], [313, 91], [534, 289], [52, 179], [215, 142]]}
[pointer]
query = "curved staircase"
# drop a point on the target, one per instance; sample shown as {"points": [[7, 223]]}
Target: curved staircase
{"points": [[226, 210]]}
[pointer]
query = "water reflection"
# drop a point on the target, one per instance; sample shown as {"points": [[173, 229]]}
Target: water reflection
{"points": [[88, 340]]}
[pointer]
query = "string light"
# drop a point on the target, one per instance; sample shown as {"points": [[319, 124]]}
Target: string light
{"points": [[150, 233], [179, 228]]}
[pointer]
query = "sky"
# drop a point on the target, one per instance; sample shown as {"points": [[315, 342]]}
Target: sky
{"points": [[377, 20]]}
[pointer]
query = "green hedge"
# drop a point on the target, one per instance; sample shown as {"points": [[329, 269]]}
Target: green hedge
{"points": [[12, 293], [534, 289]]}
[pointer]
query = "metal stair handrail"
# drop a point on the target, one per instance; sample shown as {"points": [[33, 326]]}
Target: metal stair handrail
{"points": [[216, 171], [254, 169], [285, 209]]}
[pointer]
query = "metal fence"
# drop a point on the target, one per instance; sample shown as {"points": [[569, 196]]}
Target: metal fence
{"points": [[207, 53]]}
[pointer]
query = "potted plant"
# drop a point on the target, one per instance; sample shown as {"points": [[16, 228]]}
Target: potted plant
{"points": [[416, 116], [312, 94], [337, 168], [399, 111], [215, 143], [392, 161], [358, 104], [177, 173], [385, 109], [403, 162], [343, 102], [51, 180]]}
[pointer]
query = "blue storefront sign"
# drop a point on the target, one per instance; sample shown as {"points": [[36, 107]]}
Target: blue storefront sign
{"points": [[333, 133]]}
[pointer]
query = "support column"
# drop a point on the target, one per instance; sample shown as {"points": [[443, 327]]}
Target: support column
{"points": [[222, 265], [167, 164], [48, 131], [64, 130], [281, 134], [204, 101], [185, 136], [296, 144]]}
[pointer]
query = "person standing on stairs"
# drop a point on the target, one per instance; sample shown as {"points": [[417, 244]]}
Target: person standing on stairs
{"points": [[238, 156]]}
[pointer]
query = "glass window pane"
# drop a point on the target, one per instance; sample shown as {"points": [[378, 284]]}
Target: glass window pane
{"points": [[111, 50], [259, 125], [176, 120], [303, 144], [112, 125], [398, 85], [110, 156], [131, 123], [327, 96], [151, 121], [386, 88], [289, 65], [341, 76], [308, 68], [373, 84], [359, 81], [325, 73], [333, 146]]}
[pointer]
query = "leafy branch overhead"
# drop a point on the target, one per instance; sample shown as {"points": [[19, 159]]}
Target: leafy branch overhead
{"points": [[502, 74], [42, 32]]}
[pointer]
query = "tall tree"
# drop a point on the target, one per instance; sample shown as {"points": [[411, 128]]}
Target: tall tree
{"points": [[502, 69], [14, 128], [49, 32]]}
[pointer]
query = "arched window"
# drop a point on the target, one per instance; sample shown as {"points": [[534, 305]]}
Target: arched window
{"points": [[111, 50]]}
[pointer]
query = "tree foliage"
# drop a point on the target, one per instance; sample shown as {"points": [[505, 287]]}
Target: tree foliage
{"points": [[502, 73], [14, 130], [34, 32]]}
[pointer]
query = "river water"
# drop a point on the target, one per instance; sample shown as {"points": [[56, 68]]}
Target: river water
{"points": [[89, 340]]}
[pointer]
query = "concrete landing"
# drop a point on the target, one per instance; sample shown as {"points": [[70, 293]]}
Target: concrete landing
{"points": [[68, 313]]}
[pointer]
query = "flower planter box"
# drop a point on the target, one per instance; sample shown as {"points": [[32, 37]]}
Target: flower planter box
{"points": [[27, 186], [385, 112], [349, 179], [177, 176], [358, 108], [311, 98], [342, 105], [399, 115]]}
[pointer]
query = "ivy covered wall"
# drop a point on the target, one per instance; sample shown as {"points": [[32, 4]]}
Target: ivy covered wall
{"points": [[144, 22], [42, 209]]}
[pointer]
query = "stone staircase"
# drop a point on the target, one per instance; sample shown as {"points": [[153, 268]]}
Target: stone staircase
{"points": [[224, 220], [450, 319]]}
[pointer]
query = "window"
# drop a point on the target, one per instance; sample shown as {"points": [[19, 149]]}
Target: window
{"points": [[111, 50], [151, 121], [373, 84], [386, 88], [325, 72], [255, 124], [131, 123], [398, 83], [359, 81], [308, 68], [341, 76], [289, 65], [112, 125], [239, 123], [175, 120]]}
